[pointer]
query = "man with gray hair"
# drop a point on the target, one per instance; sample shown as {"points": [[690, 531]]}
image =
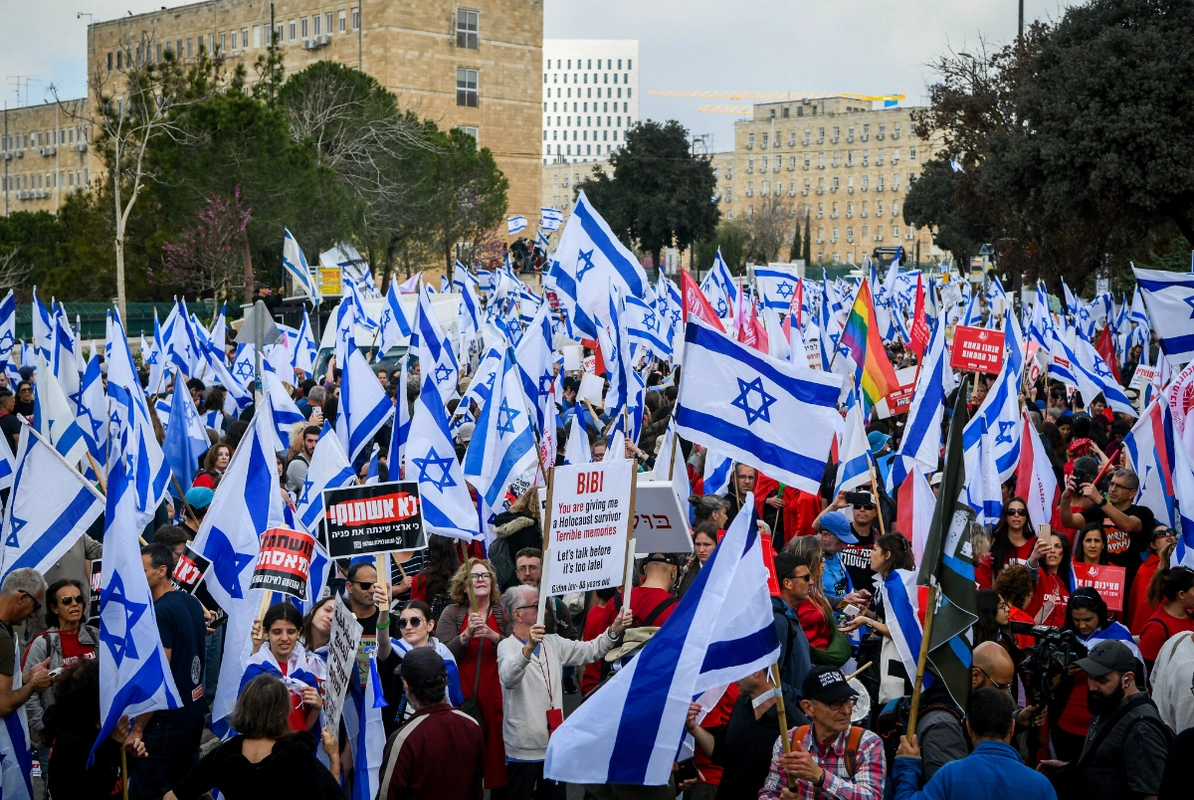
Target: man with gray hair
{"points": [[315, 399], [21, 596]]}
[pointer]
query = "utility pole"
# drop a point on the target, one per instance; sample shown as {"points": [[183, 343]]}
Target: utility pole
{"points": [[7, 188], [1020, 29]]}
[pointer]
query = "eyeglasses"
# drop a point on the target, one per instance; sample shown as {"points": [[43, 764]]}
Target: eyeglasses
{"points": [[1114, 485], [523, 570], [864, 506], [34, 600], [845, 702], [803, 577], [520, 608], [1003, 687], [70, 601], [480, 576], [411, 622], [366, 586], [1017, 512], [25, 389]]}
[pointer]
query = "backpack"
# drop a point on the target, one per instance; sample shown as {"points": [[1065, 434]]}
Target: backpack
{"points": [[892, 723], [852, 742]]}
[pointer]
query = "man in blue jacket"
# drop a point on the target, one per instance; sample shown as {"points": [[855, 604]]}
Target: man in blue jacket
{"points": [[795, 660], [993, 771]]}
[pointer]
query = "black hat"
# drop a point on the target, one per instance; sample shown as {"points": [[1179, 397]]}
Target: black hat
{"points": [[826, 684], [1110, 655], [422, 665], [661, 558]]}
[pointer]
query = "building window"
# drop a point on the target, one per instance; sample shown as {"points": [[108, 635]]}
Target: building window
{"points": [[466, 87], [471, 130], [304, 25], [327, 23], [343, 21], [292, 36], [223, 42], [356, 19], [109, 62], [158, 52], [317, 26], [119, 56], [278, 37], [466, 28], [235, 41], [244, 38]]}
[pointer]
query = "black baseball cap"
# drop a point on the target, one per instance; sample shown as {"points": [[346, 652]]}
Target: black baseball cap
{"points": [[422, 665], [826, 684], [1106, 657], [662, 558]]}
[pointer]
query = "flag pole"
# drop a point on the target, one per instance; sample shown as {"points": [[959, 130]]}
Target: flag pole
{"points": [[875, 491], [550, 478], [922, 659], [783, 717]]}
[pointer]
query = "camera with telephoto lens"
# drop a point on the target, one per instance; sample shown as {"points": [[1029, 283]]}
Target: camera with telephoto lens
{"points": [[1055, 650]]}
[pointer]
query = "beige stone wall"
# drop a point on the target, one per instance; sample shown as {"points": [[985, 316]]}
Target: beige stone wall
{"points": [[848, 165], [46, 156], [559, 184], [410, 46]]}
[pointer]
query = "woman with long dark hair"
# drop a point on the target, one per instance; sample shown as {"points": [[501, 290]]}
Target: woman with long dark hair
{"points": [[1090, 545], [433, 584], [278, 651], [1055, 581], [993, 623], [1013, 541], [1172, 592]]}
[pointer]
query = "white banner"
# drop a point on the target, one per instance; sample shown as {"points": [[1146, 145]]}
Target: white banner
{"points": [[342, 654], [590, 515]]}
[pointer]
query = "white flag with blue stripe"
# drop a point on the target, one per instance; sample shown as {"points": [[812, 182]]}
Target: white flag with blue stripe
{"points": [[329, 469], [719, 287], [645, 326], [535, 357], [55, 419], [294, 263], [550, 219], [1099, 374], [854, 468], [503, 445], [43, 330], [364, 405], [51, 505], [135, 675], [370, 739], [448, 508], [400, 429], [436, 355], [1183, 496], [8, 327], [777, 285], [515, 224], [286, 413], [743, 404], [395, 327], [186, 440], [306, 349], [719, 632]]}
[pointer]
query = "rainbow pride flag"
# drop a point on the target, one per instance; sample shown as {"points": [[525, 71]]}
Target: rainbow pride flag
{"points": [[860, 339]]}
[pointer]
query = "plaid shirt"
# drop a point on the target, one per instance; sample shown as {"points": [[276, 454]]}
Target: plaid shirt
{"points": [[865, 784]]}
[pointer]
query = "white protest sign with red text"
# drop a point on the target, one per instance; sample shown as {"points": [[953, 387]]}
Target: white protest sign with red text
{"points": [[590, 515]]}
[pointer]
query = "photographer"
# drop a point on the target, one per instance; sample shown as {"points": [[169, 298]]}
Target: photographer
{"points": [[1124, 751], [1128, 526]]}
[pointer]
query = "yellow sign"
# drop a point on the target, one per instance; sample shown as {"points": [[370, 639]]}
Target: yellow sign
{"points": [[329, 281]]}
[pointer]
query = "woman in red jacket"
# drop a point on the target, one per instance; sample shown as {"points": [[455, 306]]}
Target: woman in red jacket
{"points": [[1054, 584], [1140, 610], [1174, 588]]}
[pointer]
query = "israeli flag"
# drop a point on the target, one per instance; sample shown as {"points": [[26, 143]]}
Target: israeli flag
{"points": [[1099, 374], [644, 326], [54, 417], [998, 418], [135, 675], [371, 737], [186, 440], [516, 224], [435, 349], [400, 429], [777, 286], [8, 469], [1169, 298], [93, 410], [742, 403], [329, 469], [305, 348], [240, 389], [720, 631], [503, 445], [854, 469], [536, 362], [358, 307], [1183, 491], [8, 327], [461, 277], [448, 509], [576, 449], [542, 241], [286, 414], [246, 504], [550, 219], [901, 602], [922, 436], [395, 328], [43, 330], [481, 386], [364, 405], [39, 525], [294, 263], [468, 322], [717, 473]]}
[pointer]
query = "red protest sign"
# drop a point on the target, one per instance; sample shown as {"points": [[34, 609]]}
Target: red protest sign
{"points": [[1108, 580], [977, 350], [284, 562]]}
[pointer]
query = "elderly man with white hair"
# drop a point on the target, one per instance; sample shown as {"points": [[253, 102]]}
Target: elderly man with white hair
{"points": [[531, 667], [21, 596]]}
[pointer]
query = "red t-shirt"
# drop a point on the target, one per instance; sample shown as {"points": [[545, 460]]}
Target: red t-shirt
{"points": [[1159, 628], [800, 508], [815, 624], [1075, 716], [1139, 611], [1023, 640], [597, 620], [72, 651], [644, 600], [987, 571], [1049, 589]]}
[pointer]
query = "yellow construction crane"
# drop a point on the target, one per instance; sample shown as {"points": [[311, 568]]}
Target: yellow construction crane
{"points": [[742, 111], [772, 97]]}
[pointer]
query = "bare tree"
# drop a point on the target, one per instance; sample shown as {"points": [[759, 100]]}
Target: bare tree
{"points": [[770, 227], [143, 97], [14, 274]]}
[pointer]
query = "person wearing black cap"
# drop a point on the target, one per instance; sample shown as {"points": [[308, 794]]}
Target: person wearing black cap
{"points": [[440, 751], [653, 601], [1124, 752], [830, 757]]}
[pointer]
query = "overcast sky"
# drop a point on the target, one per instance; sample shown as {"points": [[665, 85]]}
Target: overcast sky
{"points": [[863, 46]]}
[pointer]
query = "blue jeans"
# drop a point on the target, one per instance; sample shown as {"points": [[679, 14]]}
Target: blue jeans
{"points": [[172, 747]]}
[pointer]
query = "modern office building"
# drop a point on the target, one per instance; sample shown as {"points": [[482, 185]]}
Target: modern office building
{"points": [[590, 97]]}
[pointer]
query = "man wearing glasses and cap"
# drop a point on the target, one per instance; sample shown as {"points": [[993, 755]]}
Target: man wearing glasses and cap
{"points": [[864, 527], [830, 757]]}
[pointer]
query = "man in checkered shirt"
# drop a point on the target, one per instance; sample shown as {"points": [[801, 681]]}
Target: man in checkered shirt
{"points": [[830, 758]]}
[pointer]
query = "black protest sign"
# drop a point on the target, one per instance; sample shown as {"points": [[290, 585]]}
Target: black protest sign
{"points": [[189, 571], [378, 518], [96, 577], [284, 562]]}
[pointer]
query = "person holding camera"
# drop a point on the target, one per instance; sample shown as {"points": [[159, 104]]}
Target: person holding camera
{"points": [[1123, 754], [864, 527], [1128, 526]]}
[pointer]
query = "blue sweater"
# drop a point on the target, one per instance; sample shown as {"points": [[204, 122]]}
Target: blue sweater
{"points": [[992, 772]]}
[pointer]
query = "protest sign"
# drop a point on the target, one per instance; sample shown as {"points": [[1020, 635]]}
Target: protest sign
{"points": [[342, 653], [1143, 376], [329, 281], [96, 578], [812, 348], [1108, 580], [977, 350], [588, 520], [589, 363], [900, 400], [573, 356], [284, 562], [378, 518], [660, 524], [189, 571], [592, 388]]}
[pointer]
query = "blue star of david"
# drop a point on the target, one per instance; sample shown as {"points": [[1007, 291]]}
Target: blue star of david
{"points": [[506, 417], [651, 323], [226, 563], [344, 334], [586, 257], [1190, 303], [243, 369], [722, 307], [95, 424], [1004, 437], [742, 401], [308, 484], [7, 341], [492, 379], [153, 358], [442, 373], [784, 290], [121, 645], [677, 315], [1101, 369], [545, 382], [17, 524], [434, 460], [385, 317]]}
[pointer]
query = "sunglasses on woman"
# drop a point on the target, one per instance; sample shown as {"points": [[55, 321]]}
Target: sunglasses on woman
{"points": [[70, 601], [409, 622], [1017, 512]]}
